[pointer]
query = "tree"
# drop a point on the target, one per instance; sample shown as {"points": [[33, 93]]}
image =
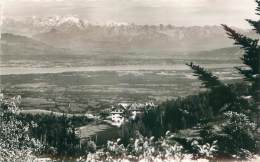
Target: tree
{"points": [[250, 70], [222, 97], [236, 135], [16, 143], [251, 58], [237, 130], [208, 79]]}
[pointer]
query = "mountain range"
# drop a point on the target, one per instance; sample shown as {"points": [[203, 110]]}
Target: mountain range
{"points": [[71, 32]]}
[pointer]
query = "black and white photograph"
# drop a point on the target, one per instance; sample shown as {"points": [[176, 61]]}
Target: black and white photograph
{"points": [[129, 81]]}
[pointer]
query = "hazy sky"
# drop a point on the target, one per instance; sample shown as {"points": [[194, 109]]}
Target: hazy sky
{"points": [[176, 12]]}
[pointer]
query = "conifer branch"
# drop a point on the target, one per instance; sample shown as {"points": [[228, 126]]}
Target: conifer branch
{"points": [[252, 52], [255, 24], [208, 79], [246, 72], [258, 7]]}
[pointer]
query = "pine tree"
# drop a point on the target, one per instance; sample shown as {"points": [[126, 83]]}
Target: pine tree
{"points": [[256, 24], [208, 79], [221, 96], [251, 57]]}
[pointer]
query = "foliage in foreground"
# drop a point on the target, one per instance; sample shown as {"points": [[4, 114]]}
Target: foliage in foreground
{"points": [[163, 149], [16, 144], [57, 133], [149, 149], [226, 127]]}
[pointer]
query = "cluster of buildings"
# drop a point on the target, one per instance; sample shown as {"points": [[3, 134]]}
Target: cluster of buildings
{"points": [[124, 112]]}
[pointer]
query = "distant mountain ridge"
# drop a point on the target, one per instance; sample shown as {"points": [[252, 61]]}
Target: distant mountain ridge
{"points": [[22, 51], [73, 32], [16, 45], [33, 25], [145, 37]]}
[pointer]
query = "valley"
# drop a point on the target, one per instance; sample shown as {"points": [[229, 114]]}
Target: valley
{"points": [[110, 67]]}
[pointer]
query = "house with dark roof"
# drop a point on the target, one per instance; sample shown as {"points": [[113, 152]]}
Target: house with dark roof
{"points": [[118, 114]]}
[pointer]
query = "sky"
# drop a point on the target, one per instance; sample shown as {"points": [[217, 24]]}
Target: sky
{"points": [[175, 12]]}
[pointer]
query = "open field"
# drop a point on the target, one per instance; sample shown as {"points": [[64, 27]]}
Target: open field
{"points": [[90, 83], [93, 90]]}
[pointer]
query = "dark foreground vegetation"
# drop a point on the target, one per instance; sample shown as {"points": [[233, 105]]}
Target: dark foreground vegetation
{"points": [[220, 122], [57, 133]]}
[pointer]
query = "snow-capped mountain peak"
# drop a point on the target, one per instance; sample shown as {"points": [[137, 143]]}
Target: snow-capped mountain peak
{"points": [[43, 24], [56, 21]]}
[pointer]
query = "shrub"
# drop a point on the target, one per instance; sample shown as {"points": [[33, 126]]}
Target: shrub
{"points": [[236, 136], [16, 143]]}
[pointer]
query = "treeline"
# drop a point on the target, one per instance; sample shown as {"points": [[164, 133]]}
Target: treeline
{"points": [[57, 133], [223, 115], [187, 112]]}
